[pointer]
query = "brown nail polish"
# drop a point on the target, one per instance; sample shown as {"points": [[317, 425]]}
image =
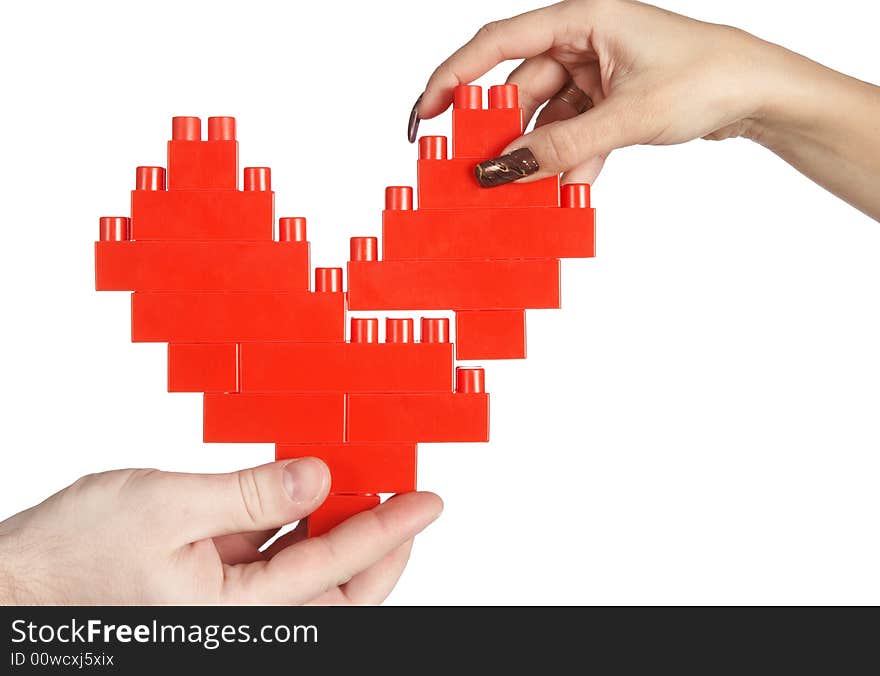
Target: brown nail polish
{"points": [[507, 168], [413, 127]]}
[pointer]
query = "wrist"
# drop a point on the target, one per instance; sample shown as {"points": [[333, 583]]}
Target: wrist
{"points": [[792, 98]]}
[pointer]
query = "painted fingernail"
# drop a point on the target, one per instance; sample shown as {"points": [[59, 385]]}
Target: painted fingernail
{"points": [[413, 127], [507, 168]]}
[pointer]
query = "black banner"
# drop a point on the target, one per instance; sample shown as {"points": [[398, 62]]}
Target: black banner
{"points": [[550, 640]]}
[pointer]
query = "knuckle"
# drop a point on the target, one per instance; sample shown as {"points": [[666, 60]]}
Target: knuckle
{"points": [[251, 497], [491, 31], [560, 148]]}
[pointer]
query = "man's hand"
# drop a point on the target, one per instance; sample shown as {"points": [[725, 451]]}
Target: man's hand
{"points": [[145, 536]]}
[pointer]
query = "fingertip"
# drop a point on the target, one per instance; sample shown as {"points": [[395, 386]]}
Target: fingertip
{"points": [[427, 503], [412, 128], [306, 481], [436, 502]]}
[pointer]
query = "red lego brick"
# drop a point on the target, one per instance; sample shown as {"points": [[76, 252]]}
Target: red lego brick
{"points": [[481, 134], [202, 165], [202, 266], [203, 367], [193, 317], [194, 164], [418, 417], [451, 184], [459, 285], [361, 468], [460, 234], [202, 215], [336, 509], [255, 418], [346, 367], [490, 334]]}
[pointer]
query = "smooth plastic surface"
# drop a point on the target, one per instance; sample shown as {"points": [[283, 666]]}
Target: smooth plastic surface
{"points": [[201, 266], [459, 285], [336, 509], [202, 367], [483, 134], [490, 334], [470, 380], [192, 317], [292, 229], [418, 417], [202, 215], [361, 468], [202, 165], [255, 418], [492, 233], [346, 367]]}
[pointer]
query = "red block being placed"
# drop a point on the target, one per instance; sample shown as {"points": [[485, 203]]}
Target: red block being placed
{"points": [[256, 418], [193, 317], [490, 334], [418, 417], [202, 165], [482, 134], [451, 184], [459, 285], [459, 234], [202, 266], [336, 509], [202, 367], [361, 468], [202, 215], [346, 367]]}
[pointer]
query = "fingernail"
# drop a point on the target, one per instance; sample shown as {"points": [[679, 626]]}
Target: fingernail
{"points": [[507, 168], [303, 479], [413, 127]]}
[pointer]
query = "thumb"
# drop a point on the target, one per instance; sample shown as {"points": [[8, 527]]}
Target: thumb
{"points": [[259, 498], [557, 147]]}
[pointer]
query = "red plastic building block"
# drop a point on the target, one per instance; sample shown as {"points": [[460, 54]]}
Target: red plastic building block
{"points": [[271, 356], [202, 367], [490, 334], [346, 367], [194, 164], [193, 317], [515, 232], [459, 285], [361, 468], [336, 509], [451, 184], [202, 215], [201, 266], [274, 417], [418, 417], [479, 133]]}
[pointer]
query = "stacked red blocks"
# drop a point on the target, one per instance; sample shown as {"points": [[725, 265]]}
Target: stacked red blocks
{"points": [[243, 325], [488, 254], [269, 353]]}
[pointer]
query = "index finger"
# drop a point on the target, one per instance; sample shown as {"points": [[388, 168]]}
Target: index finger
{"points": [[303, 571], [519, 37]]}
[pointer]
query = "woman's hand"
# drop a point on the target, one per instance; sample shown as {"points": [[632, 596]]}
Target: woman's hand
{"points": [[145, 537], [659, 78]]}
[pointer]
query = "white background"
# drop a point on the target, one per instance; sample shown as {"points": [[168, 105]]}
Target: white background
{"points": [[699, 424]]}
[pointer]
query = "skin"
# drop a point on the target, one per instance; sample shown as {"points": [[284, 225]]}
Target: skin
{"points": [[150, 537], [144, 536], [659, 78]]}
